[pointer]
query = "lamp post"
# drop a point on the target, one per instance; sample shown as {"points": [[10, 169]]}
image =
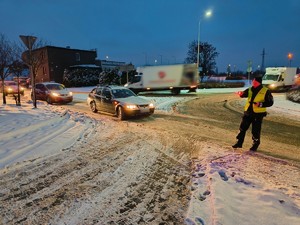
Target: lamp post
{"points": [[160, 59], [207, 14]]}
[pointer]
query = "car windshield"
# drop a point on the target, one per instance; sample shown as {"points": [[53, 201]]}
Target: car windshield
{"points": [[55, 86], [122, 93]]}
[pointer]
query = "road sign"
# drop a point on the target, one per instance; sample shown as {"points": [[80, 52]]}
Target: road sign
{"points": [[28, 40]]}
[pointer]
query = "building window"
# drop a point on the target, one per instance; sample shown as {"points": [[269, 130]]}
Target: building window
{"points": [[77, 55]]}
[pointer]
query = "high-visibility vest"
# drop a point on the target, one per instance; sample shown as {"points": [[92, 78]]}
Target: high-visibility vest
{"points": [[260, 97]]}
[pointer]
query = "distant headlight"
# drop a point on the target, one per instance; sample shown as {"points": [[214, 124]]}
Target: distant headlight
{"points": [[151, 105], [54, 94], [131, 107], [272, 86], [70, 93]]}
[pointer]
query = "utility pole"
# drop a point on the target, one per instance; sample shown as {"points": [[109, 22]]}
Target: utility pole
{"points": [[263, 60], [249, 70]]}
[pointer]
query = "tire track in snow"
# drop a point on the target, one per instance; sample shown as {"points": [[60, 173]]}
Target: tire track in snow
{"points": [[58, 132]]}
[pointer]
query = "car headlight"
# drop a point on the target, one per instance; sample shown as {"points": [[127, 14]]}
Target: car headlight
{"points": [[131, 107], [54, 94], [70, 93], [151, 105], [22, 89], [9, 89]]}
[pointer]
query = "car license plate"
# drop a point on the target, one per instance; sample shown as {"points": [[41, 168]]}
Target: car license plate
{"points": [[144, 109]]}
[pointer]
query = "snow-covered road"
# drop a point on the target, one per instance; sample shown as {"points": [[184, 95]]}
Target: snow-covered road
{"points": [[61, 166]]}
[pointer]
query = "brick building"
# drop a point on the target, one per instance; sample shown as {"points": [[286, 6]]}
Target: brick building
{"points": [[56, 59]]}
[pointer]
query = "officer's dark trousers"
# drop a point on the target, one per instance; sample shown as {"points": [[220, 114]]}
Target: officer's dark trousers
{"points": [[247, 120]]}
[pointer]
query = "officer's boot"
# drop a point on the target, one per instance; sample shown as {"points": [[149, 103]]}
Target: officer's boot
{"points": [[238, 144], [240, 139], [255, 145]]}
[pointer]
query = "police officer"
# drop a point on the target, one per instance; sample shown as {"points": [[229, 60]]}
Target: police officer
{"points": [[259, 98]]}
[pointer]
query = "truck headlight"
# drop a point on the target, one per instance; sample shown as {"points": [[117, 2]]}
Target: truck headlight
{"points": [[272, 86]]}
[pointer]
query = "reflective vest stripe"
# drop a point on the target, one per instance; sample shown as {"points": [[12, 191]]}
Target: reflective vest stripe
{"points": [[260, 97]]}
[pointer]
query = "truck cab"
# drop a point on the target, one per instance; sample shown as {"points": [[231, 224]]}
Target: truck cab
{"points": [[279, 78]]}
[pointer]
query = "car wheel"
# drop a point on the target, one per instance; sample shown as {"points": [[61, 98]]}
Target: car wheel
{"points": [[93, 107], [49, 100], [121, 113]]}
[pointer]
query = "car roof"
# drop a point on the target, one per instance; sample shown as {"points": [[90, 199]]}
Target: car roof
{"points": [[9, 81], [112, 87], [45, 83]]}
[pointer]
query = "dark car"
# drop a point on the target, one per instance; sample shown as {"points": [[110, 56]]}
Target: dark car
{"points": [[11, 88], [119, 101], [52, 93]]}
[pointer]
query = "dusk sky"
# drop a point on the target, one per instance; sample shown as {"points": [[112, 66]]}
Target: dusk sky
{"points": [[141, 31]]}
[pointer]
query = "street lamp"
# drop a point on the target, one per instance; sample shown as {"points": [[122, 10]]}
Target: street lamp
{"points": [[290, 56], [207, 14]]}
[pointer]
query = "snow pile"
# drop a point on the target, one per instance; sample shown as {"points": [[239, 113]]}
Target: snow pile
{"points": [[294, 94], [42, 131]]}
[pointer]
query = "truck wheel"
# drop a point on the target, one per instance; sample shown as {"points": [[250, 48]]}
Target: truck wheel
{"points": [[120, 113], [93, 107], [175, 91]]}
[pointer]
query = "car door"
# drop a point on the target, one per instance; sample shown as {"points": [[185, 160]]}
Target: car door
{"points": [[40, 92], [107, 101], [97, 98]]}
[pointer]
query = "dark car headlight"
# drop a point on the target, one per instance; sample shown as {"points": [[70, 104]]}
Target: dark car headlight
{"points": [[54, 94]]}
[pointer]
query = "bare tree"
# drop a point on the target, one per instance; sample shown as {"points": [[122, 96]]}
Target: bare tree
{"points": [[6, 59], [208, 55], [17, 68], [34, 58]]}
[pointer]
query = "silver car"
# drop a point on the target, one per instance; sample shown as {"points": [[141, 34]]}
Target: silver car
{"points": [[119, 101]]}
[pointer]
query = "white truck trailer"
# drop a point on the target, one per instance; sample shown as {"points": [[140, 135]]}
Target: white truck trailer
{"points": [[279, 78], [168, 77]]}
